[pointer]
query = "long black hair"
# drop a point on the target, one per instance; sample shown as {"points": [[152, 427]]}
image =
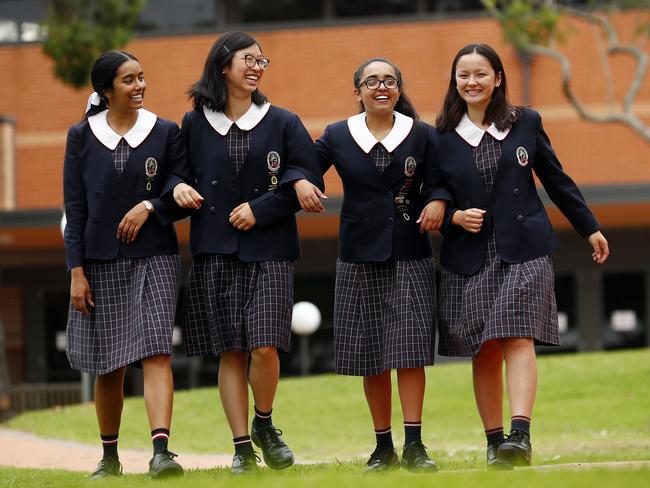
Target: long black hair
{"points": [[211, 90], [403, 105], [498, 112], [103, 74]]}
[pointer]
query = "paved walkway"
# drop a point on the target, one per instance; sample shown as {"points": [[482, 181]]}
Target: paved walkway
{"points": [[22, 450]]}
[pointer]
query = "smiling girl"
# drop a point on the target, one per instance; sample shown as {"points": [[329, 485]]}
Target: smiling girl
{"points": [[122, 252], [496, 293], [384, 306], [245, 156]]}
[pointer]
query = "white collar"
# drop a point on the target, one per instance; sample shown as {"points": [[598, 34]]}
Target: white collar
{"points": [[366, 141], [248, 121], [473, 134], [109, 138]]}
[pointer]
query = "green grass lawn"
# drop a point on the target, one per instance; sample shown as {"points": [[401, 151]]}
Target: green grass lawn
{"points": [[345, 476], [590, 407]]}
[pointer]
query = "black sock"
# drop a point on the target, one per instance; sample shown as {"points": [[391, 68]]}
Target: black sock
{"points": [[109, 443], [494, 436], [384, 438], [412, 432], [243, 444], [160, 438], [262, 419], [520, 422]]}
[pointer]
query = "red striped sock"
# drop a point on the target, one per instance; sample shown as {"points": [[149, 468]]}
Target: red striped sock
{"points": [[160, 439]]}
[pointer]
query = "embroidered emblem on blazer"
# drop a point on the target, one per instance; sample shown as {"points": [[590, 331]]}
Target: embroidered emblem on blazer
{"points": [[522, 156], [409, 166], [150, 170], [273, 161]]}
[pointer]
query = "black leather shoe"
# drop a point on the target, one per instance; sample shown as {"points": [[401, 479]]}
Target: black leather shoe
{"points": [[244, 463], [415, 458], [275, 452], [516, 449], [162, 465], [493, 461], [382, 460], [109, 466]]}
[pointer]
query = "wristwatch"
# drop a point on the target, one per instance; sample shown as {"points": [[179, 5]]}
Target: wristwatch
{"points": [[148, 205]]}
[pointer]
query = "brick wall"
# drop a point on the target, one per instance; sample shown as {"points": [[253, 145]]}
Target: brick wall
{"points": [[311, 74]]}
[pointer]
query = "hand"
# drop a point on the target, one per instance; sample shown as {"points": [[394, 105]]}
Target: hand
{"points": [[132, 222], [471, 219], [309, 196], [187, 197], [242, 217], [601, 248], [80, 295], [432, 216]]}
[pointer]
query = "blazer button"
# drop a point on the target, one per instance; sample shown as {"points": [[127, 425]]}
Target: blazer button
{"points": [[520, 218], [213, 209], [214, 183], [256, 190], [389, 220], [515, 191]]}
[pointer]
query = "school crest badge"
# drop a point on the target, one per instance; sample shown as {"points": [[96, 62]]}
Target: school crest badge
{"points": [[150, 167], [273, 161], [522, 156], [409, 166]]}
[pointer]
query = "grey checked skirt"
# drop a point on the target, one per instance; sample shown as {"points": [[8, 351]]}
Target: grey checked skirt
{"points": [[232, 305], [499, 301], [384, 316], [133, 317]]}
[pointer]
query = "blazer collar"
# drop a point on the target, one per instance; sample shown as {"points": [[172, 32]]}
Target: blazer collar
{"points": [[473, 134], [248, 121], [366, 141], [136, 135]]}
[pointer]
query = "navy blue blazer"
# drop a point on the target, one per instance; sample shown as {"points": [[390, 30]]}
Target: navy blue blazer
{"points": [[379, 210], [96, 198], [281, 152], [514, 210]]}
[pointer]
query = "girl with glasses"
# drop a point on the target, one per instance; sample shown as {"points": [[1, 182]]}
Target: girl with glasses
{"points": [[245, 158], [384, 309]]}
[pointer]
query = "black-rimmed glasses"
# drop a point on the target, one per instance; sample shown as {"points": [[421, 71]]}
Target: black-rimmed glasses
{"points": [[374, 83], [251, 61]]}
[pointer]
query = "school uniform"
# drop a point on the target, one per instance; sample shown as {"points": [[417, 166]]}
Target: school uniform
{"points": [[385, 290], [499, 283], [134, 285], [239, 292]]}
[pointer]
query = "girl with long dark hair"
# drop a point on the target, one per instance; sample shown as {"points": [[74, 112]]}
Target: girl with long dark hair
{"points": [[497, 293], [246, 158]]}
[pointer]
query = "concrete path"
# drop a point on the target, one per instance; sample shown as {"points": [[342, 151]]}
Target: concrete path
{"points": [[22, 450]]}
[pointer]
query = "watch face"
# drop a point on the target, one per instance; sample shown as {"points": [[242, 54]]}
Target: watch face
{"points": [[148, 205]]}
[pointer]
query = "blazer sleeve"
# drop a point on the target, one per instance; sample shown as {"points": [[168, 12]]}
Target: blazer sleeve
{"points": [[560, 187], [302, 161], [74, 199], [433, 187], [323, 148], [167, 211]]}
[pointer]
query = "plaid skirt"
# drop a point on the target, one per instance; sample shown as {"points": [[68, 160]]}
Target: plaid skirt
{"points": [[384, 316], [499, 301], [232, 305], [133, 317]]}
